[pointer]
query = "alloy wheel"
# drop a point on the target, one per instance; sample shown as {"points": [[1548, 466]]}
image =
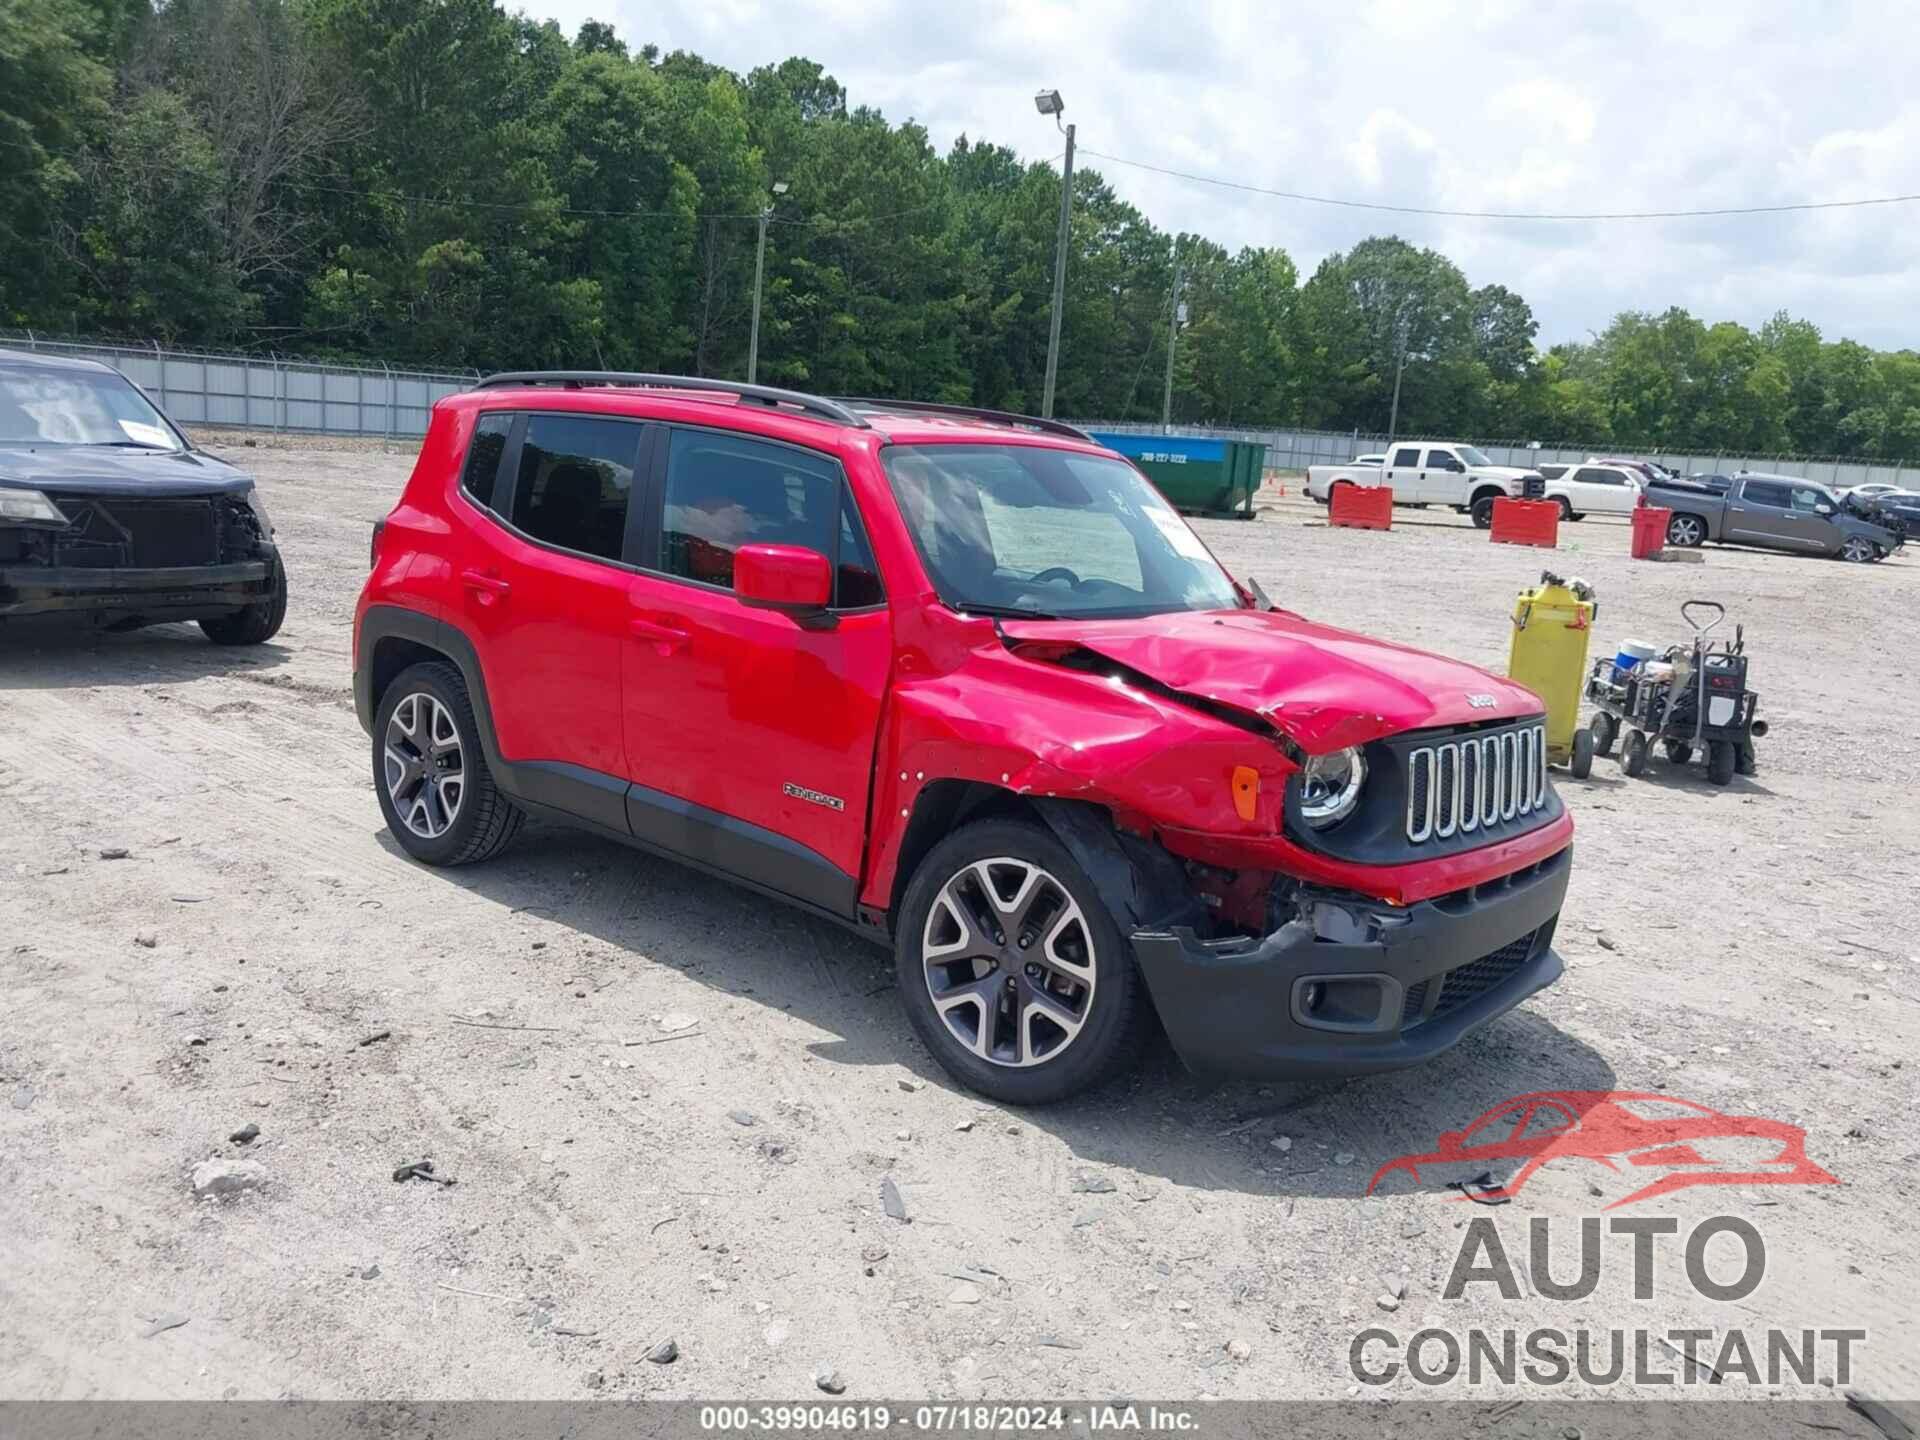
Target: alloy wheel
{"points": [[1009, 961], [425, 765], [1857, 549], [1685, 530]]}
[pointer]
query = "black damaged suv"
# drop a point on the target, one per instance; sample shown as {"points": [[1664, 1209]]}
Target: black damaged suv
{"points": [[110, 517]]}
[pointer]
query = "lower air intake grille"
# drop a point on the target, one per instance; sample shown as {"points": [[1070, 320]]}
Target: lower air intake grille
{"points": [[1466, 983]]}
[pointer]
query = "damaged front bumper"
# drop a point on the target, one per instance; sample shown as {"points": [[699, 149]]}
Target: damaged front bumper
{"points": [[1355, 986], [175, 592]]}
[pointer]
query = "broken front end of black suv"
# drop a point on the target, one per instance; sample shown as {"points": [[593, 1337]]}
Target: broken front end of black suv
{"points": [[110, 518]]}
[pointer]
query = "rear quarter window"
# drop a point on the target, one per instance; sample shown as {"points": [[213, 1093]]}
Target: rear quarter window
{"points": [[484, 453]]}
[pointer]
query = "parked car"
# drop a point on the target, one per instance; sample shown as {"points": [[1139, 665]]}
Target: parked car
{"points": [[1651, 472], [1871, 489], [1777, 512], [110, 516], [1896, 509], [1592, 489], [964, 683], [1428, 474]]}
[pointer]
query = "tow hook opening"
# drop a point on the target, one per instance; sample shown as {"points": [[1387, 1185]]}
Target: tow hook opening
{"points": [[1351, 1004]]}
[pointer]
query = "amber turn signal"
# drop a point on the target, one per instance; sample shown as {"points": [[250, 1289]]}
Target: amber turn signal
{"points": [[1246, 791]]}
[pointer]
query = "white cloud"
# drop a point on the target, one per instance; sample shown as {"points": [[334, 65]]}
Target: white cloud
{"points": [[1460, 104]]}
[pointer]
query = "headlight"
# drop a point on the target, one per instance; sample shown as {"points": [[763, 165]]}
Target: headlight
{"points": [[1330, 786], [259, 508], [29, 507]]}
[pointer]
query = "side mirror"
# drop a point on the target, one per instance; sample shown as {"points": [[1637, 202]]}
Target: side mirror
{"points": [[1823, 508], [782, 577]]}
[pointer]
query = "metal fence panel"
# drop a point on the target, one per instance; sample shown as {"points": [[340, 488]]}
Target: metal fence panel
{"points": [[268, 393]]}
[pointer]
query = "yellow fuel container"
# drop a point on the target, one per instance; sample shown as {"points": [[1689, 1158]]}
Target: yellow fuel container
{"points": [[1551, 626]]}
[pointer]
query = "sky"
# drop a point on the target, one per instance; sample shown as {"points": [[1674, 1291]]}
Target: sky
{"points": [[1609, 105]]}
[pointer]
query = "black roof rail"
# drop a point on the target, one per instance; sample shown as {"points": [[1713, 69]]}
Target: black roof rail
{"points": [[974, 412], [767, 395]]}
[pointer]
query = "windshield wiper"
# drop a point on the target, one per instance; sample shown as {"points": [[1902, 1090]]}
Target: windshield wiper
{"points": [[1011, 612], [121, 445]]}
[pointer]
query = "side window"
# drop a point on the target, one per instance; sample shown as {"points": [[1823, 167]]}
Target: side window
{"points": [[483, 458], [1759, 492], [576, 474], [1443, 460], [725, 491], [1587, 475], [857, 582], [1806, 499], [1407, 459]]}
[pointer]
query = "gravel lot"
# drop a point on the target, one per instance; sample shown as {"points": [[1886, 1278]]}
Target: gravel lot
{"points": [[670, 1107]]}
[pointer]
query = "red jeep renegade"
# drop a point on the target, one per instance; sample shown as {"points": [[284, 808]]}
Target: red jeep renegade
{"points": [[963, 682]]}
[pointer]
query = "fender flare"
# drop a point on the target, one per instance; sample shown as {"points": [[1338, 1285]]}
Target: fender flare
{"points": [[396, 622]]}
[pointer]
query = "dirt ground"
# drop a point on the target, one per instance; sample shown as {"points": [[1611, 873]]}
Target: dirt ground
{"points": [[670, 1106]]}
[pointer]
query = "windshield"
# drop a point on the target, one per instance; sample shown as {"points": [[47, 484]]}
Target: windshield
{"points": [[41, 406], [1471, 456], [1022, 530]]}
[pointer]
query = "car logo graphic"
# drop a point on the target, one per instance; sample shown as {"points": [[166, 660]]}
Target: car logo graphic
{"points": [[1481, 702], [1623, 1130]]}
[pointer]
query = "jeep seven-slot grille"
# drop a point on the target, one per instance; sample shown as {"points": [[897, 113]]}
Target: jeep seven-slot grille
{"points": [[1460, 786]]}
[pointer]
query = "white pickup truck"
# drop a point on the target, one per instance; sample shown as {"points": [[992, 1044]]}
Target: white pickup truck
{"points": [[1428, 474]]}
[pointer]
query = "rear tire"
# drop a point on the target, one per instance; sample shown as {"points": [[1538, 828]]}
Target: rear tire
{"points": [[1605, 730], [1686, 531], [1633, 754], [1679, 752], [479, 821], [1720, 761], [1015, 1052], [258, 622], [1743, 761], [1580, 766]]}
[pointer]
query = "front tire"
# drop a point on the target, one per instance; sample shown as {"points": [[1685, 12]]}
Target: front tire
{"points": [[1012, 970], [1580, 765], [1482, 512], [1857, 550], [258, 622], [436, 792], [1566, 509]]}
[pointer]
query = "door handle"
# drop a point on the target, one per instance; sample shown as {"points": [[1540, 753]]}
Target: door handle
{"points": [[485, 585], [663, 638]]}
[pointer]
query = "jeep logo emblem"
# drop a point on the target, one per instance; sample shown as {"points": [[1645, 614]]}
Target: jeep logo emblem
{"points": [[1481, 702]]}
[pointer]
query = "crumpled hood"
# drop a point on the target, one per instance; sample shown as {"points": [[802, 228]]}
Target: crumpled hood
{"points": [[110, 470], [1323, 688]]}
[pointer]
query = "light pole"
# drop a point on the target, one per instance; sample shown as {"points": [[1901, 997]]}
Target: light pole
{"points": [[1178, 318], [759, 271], [1048, 102], [1402, 323]]}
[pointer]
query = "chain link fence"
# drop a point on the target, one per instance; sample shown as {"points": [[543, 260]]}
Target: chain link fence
{"points": [[255, 392], [1297, 449]]}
